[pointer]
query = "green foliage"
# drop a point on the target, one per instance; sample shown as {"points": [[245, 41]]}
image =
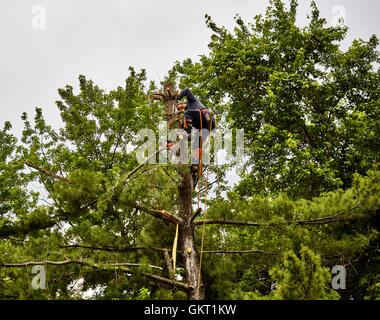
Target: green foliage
{"points": [[339, 227], [302, 278], [94, 149], [310, 113], [299, 276], [309, 110], [310, 181]]}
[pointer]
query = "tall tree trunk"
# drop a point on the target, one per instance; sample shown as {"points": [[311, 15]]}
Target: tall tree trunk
{"points": [[189, 252], [186, 239]]}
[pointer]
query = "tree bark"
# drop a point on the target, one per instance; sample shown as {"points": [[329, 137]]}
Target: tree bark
{"points": [[189, 252], [186, 239]]}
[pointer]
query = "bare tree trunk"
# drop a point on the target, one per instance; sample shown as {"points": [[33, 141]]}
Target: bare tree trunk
{"points": [[186, 239], [189, 252]]}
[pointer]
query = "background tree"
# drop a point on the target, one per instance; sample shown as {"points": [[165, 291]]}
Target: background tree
{"points": [[308, 198]]}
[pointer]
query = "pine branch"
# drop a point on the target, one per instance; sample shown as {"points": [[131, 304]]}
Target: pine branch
{"points": [[69, 261], [263, 224], [241, 223], [323, 220], [115, 249], [45, 262], [20, 228], [131, 264], [238, 252], [110, 267]]}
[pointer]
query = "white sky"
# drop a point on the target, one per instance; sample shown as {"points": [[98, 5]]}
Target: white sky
{"points": [[101, 38]]}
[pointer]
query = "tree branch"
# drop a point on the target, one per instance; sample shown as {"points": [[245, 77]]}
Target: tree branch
{"points": [[115, 249], [323, 220], [238, 252], [131, 264], [161, 214], [129, 174], [241, 223], [263, 224], [157, 187], [196, 213], [203, 188], [156, 97], [169, 175], [180, 285], [69, 261], [47, 172]]}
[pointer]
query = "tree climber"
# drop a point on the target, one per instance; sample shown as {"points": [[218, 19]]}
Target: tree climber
{"points": [[198, 117]]}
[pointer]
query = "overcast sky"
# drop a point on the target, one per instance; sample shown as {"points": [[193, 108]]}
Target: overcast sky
{"points": [[101, 38]]}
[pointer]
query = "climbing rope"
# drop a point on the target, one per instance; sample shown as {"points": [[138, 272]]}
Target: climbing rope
{"points": [[200, 171], [173, 122], [204, 215]]}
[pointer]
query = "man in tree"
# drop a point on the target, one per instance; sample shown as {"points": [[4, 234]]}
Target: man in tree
{"points": [[197, 116]]}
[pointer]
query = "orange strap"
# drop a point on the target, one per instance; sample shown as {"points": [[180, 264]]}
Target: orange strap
{"points": [[173, 122]]}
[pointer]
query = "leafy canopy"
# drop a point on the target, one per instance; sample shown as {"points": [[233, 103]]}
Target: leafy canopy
{"points": [[310, 188]]}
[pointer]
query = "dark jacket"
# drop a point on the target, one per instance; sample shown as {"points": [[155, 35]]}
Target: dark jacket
{"points": [[196, 115], [192, 102], [198, 119]]}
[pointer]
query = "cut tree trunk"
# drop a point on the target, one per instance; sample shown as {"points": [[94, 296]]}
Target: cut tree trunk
{"points": [[189, 252], [190, 256]]}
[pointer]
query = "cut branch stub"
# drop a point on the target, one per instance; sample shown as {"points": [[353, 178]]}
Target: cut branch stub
{"points": [[169, 97], [156, 97], [168, 88]]}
